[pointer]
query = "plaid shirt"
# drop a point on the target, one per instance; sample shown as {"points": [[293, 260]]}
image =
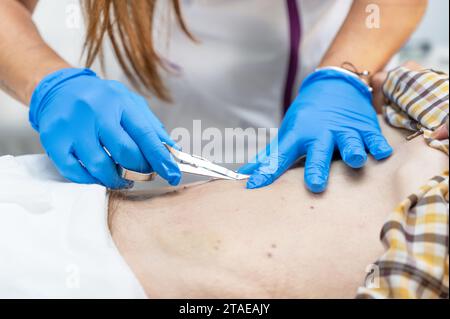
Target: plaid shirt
{"points": [[416, 235]]}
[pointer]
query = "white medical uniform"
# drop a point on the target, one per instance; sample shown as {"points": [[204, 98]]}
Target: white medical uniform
{"points": [[236, 75]]}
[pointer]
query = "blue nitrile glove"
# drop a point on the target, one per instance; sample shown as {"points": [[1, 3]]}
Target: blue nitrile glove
{"points": [[77, 114], [333, 110]]}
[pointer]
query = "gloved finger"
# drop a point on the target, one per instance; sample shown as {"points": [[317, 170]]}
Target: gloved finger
{"points": [[378, 146], [123, 149], [351, 147], [157, 125], [141, 103], [65, 161], [71, 169], [254, 164], [281, 154], [162, 133], [248, 168], [97, 162], [318, 162], [151, 146]]}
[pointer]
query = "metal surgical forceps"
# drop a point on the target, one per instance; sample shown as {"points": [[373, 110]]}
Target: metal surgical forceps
{"points": [[187, 163]]}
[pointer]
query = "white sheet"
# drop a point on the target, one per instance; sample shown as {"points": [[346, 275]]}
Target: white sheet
{"points": [[54, 238]]}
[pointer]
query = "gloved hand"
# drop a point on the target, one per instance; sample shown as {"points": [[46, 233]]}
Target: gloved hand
{"points": [[333, 110], [78, 114]]}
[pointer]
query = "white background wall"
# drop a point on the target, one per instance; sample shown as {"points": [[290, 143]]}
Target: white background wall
{"points": [[435, 26], [52, 17]]}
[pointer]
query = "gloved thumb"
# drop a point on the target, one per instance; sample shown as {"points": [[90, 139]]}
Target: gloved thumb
{"points": [[281, 153]]}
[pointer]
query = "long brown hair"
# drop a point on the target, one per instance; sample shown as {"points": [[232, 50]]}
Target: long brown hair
{"points": [[129, 26]]}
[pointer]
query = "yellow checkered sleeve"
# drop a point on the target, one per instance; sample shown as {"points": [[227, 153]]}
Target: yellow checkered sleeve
{"points": [[416, 235]]}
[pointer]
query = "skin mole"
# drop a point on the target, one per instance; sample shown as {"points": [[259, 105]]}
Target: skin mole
{"points": [[270, 254], [217, 245]]}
